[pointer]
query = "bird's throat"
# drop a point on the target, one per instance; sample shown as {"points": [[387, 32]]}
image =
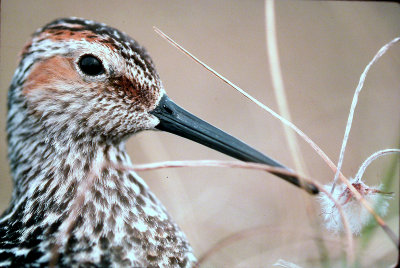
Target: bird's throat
{"points": [[84, 198]]}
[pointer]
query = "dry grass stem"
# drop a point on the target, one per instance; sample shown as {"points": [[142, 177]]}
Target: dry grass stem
{"points": [[319, 151], [217, 163], [372, 158], [354, 104], [308, 185], [359, 175], [278, 85], [283, 106], [286, 264]]}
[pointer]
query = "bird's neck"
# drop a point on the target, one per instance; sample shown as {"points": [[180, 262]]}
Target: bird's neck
{"points": [[55, 178], [82, 195], [55, 166]]}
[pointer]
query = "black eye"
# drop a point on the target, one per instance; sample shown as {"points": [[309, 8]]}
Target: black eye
{"points": [[91, 65]]}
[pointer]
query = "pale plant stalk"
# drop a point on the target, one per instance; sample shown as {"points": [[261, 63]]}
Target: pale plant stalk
{"points": [[360, 85], [214, 163], [283, 106], [278, 85], [316, 148], [358, 196], [286, 264], [372, 158]]}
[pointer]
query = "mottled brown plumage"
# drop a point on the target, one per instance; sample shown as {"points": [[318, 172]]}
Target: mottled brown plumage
{"points": [[73, 203], [81, 88]]}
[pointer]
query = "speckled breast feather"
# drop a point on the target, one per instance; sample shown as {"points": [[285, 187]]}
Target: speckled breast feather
{"points": [[73, 203]]}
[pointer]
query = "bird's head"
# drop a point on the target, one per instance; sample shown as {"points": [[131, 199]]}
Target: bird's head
{"points": [[79, 79], [86, 78]]}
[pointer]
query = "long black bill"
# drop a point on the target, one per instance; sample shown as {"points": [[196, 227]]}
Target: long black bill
{"points": [[176, 120]]}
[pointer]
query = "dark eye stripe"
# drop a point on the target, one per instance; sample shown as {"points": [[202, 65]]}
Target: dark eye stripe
{"points": [[91, 65]]}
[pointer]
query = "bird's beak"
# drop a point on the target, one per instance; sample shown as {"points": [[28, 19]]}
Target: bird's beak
{"points": [[176, 120]]}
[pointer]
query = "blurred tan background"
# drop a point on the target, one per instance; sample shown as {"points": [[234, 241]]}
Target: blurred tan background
{"points": [[324, 47]]}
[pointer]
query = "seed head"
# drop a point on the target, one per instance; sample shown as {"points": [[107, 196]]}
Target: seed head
{"points": [[355, 212]]}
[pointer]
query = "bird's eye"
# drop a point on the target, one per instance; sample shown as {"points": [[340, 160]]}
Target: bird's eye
{"points": [[91, 65]]}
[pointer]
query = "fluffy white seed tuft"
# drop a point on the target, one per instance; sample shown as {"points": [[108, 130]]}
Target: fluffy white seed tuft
{"points": [[355, 212]]}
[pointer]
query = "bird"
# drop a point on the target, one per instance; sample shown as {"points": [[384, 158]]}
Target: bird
{"points": [[81, 89]]}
